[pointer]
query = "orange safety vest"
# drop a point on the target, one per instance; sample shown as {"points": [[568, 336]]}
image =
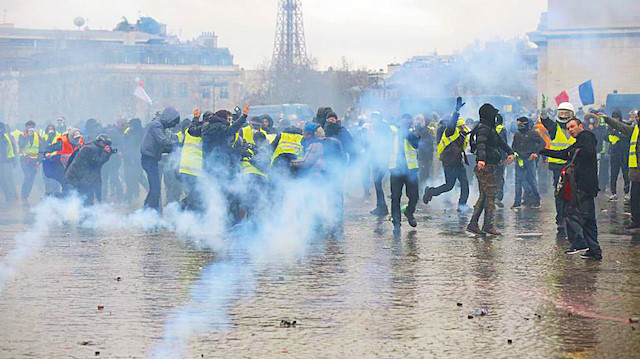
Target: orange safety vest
{"points": [[67, 148]]}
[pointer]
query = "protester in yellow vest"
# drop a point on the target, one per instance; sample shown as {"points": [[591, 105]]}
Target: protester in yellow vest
{"points": [[560, 140], [29, 147], [191, 167], [502, 131], [619, 153], [287, 147], [7, 164], [634, 170], [451, 151], [403, 167]]}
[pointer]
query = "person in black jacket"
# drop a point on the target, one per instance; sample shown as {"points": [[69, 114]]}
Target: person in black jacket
{"points": [[84, 172], [451, 151], [132, 139], [580, 218], [488, 144], [526, 143]]}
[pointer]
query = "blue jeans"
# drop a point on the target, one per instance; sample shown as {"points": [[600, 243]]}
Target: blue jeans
{"points": [[150, 166], [526, 178], [451, 174], [581, 225]]}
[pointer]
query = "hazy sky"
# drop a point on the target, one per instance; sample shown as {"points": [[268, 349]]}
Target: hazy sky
{"points": [[369, 33]]}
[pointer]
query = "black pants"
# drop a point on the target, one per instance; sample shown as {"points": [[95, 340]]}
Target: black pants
{"points": [[451, 175], [150, 166], [409, 180], [581, 224], [619, 163], [378, 175], [635, 202], [559, 202], [604, 173], [500, 183]]}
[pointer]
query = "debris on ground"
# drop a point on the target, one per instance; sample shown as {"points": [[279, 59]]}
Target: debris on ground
{"points": [[287, 324]]}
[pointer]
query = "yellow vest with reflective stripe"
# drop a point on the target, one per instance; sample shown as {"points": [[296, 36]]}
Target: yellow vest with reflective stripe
{"points": [[614, 139], [247, 134], [410, 153], [33, 147], [16, 135], [10, 153], [559, 143], [289, 143], [446, 141], [248, 168], [633, 155], [191, 155]]}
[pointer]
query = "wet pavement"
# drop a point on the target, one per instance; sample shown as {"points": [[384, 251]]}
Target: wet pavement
{"points": [[430, 292]]}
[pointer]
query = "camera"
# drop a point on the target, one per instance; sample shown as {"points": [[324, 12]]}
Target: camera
{"points": [[114, 151]]}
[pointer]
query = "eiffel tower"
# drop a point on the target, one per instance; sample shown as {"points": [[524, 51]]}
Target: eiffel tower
{"points": [[289, 50]]}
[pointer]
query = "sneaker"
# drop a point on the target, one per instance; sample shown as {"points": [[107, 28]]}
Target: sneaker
{"points": [[627, 197], [516, 206], [411, 219], [426, 197], [473, 228], [535, 206], [499, 204], [464, 208], [594, 256], [576, 250], [632, 226], [613, 198], [491, 230], [380, 211]]}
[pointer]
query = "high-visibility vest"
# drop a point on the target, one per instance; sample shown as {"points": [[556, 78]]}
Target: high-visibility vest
{"points": [[614, 139], [10, 152], [499, 128], [33, 147], [446, 141], [16, 135], [519, 160], [410, 153], [53, 138], [180, 135], [559, 143], [191, 155], [633, 155], [67, 149], [271, 137], [289, 143], [247, 134], [248, 168]]}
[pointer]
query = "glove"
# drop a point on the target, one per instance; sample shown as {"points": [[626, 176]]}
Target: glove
{"points": [[459, 103], [543, 108], [245, 111]]}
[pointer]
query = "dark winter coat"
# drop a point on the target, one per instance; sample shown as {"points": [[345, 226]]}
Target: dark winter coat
{"points": [[586, 163], [489, 143], [453, 154], [87, 165], [527, 142]]}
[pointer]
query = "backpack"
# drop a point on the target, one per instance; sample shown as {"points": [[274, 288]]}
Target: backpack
{"points": [[566, 189]]}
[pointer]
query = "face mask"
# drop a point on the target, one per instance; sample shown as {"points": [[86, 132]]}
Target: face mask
{"points": [[331, 129], [522, 127]]}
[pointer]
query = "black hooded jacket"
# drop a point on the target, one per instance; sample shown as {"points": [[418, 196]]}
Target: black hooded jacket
{"points": [[586, 163], [155, 140], [86, 166], [489, 143]]}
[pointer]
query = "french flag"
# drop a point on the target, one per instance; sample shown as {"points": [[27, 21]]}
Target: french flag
{"points": [[578, 96]]}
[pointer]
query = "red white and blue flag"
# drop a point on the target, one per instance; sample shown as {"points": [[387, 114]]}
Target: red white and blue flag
{"points": [[579, 96]]}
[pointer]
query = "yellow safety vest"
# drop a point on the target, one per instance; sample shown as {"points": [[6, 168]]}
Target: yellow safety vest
{"points": [[446, 141], [180, 135], [191, 155], [519, 160], [33, 147], [614, 139], [633, 155], [499, 128], [248, 168], [16, 135], [559, 143], [410, 153], [289, 143], [10, 152], [247, 134]]}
